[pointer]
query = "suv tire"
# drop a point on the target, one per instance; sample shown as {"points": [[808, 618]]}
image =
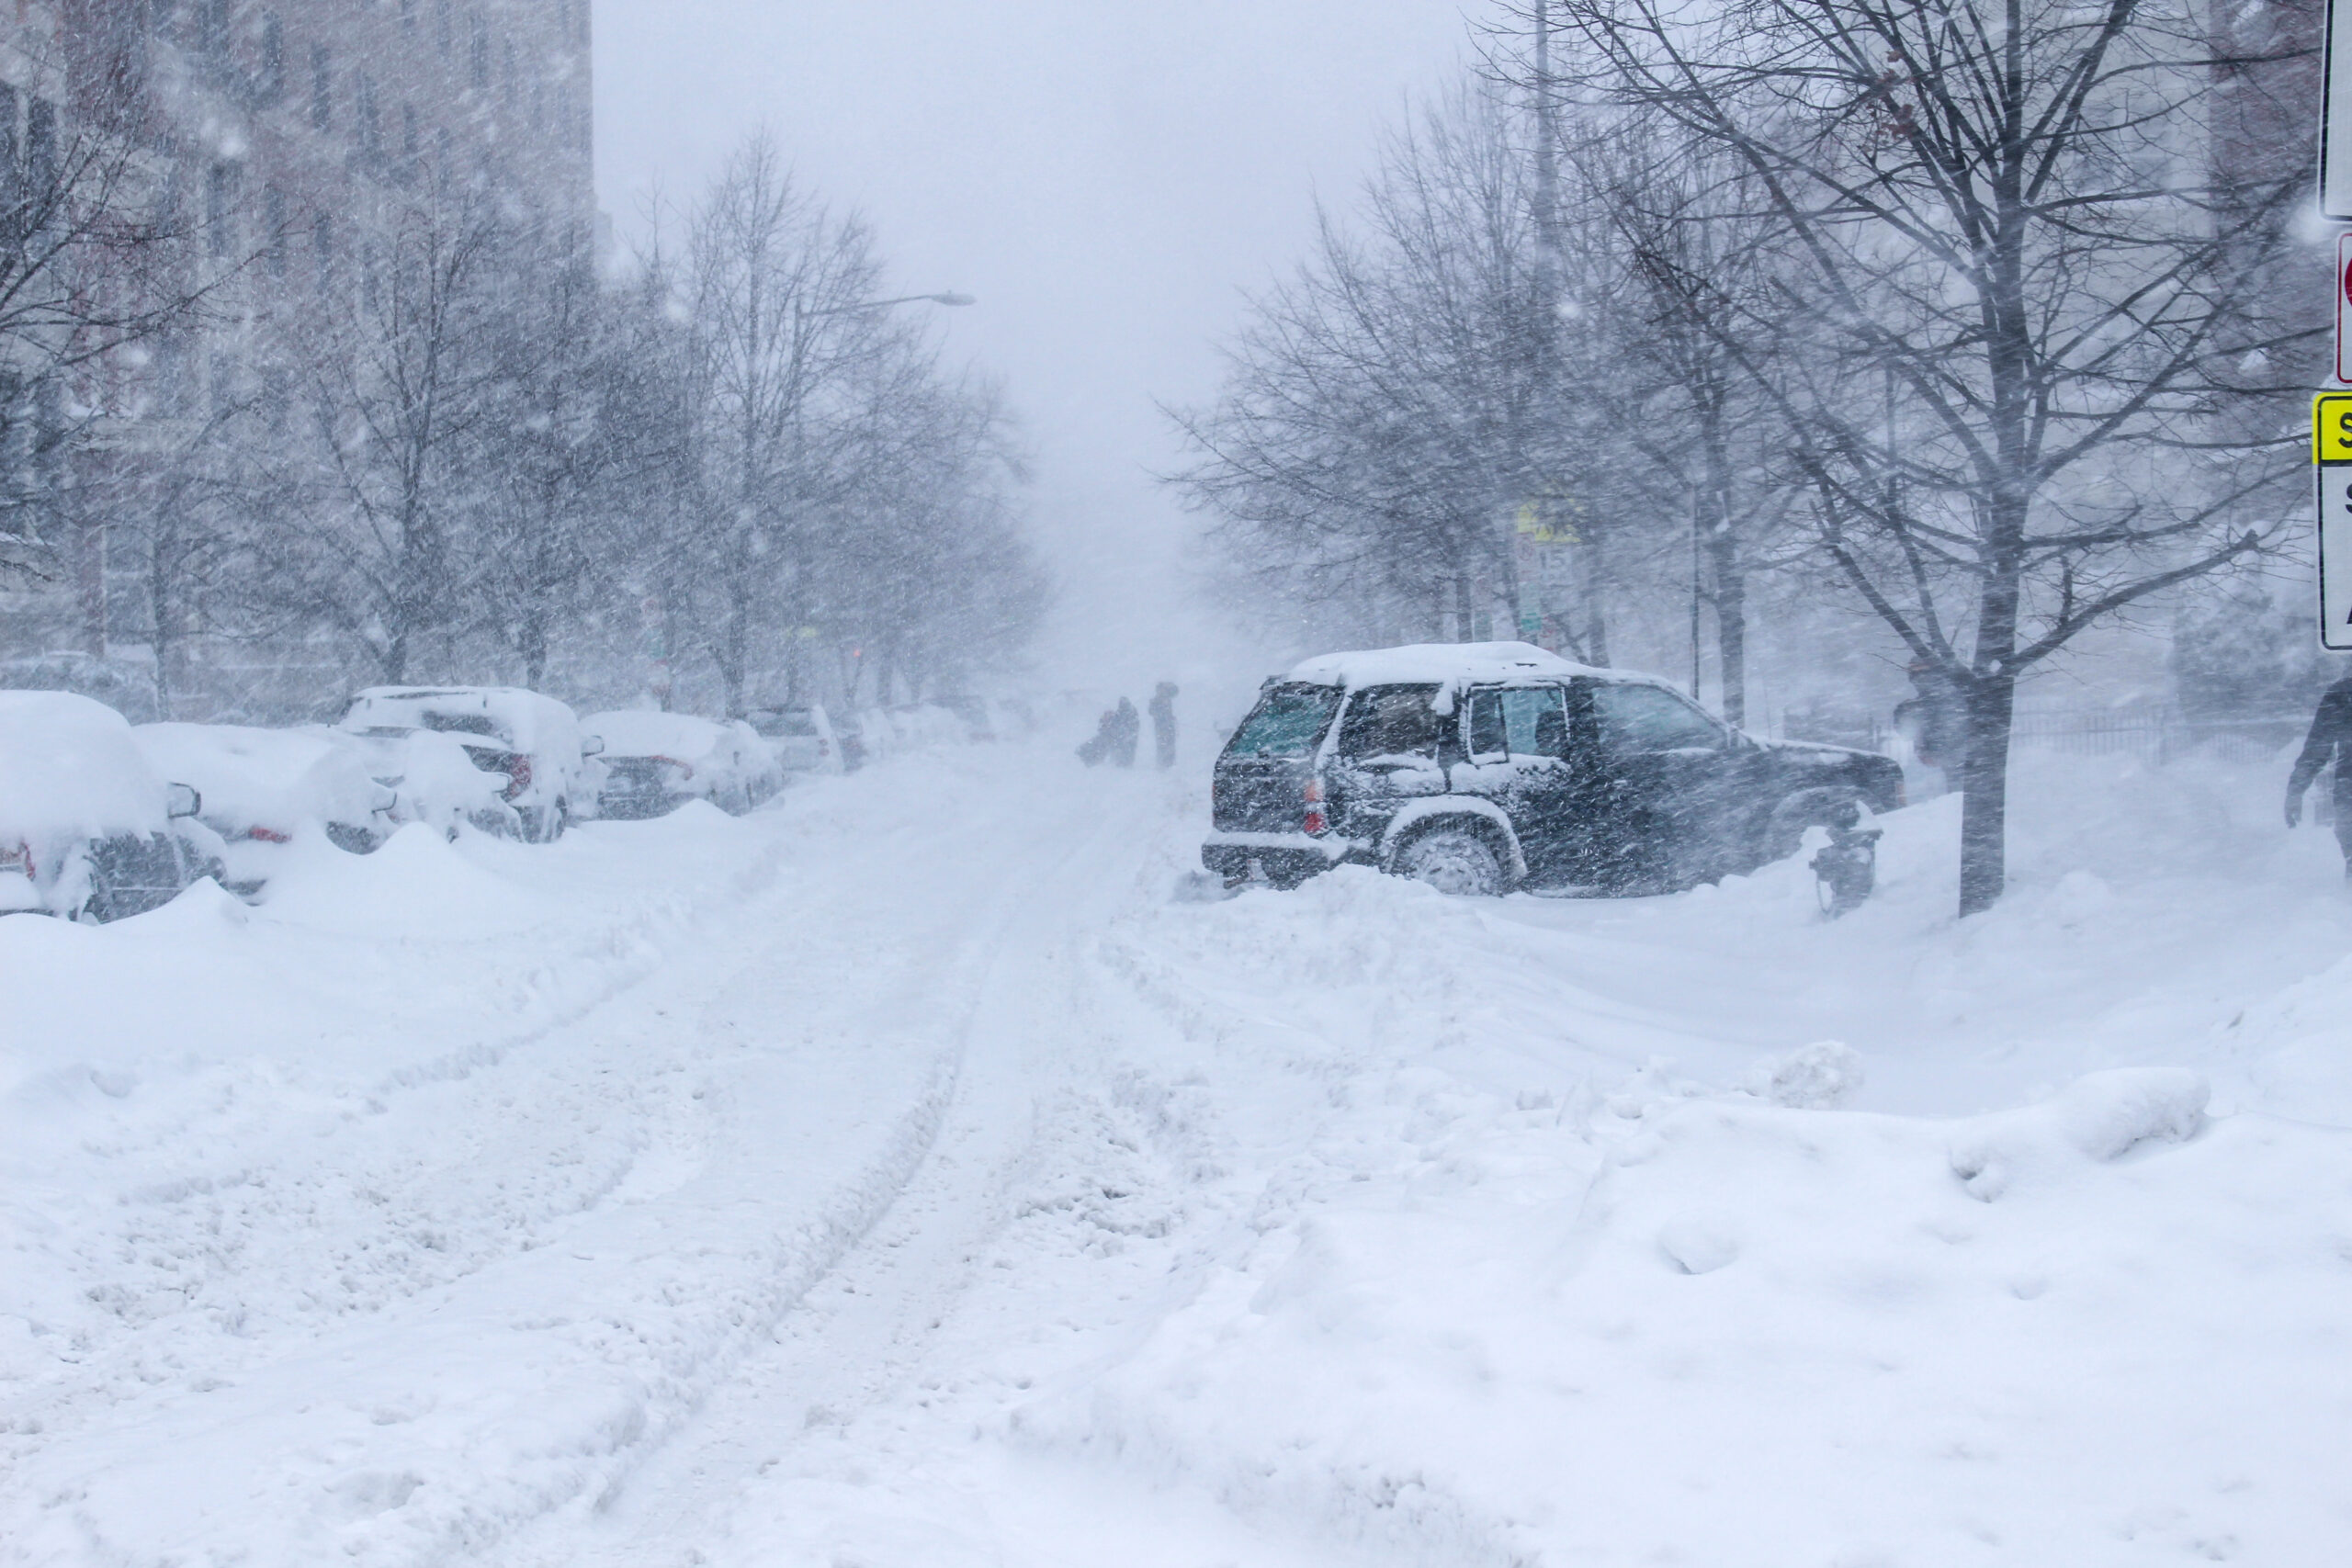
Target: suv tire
{"points": [[1457, 860]]}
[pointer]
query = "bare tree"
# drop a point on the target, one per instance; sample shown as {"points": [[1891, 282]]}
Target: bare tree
{"points": [[569, 417], [777, 290], [370, 509], [1389, 411], [95, 266], [2024, 292]]}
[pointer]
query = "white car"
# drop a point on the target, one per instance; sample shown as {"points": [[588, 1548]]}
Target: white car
{"points": [[802, 738], [88, 830], [261, 788], [655, 762], [531, 744]]}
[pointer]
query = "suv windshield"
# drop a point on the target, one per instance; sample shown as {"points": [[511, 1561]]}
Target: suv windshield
{"points": [[1287, 722], [1392, 721]]}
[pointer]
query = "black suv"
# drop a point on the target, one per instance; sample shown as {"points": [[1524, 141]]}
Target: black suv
{"points": [[1478, 767]]}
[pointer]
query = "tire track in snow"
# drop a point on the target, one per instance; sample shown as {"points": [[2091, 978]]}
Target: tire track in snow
{"points": [[389, 1492]]}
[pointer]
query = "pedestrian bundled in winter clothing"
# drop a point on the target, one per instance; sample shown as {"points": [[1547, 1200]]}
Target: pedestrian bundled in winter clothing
{"points": [[1104, 741], [2330, 741], [1127, 731], [1163, 723]]}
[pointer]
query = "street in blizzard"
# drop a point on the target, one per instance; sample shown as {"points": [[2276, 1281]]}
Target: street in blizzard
{"points": [[1275, 785]]}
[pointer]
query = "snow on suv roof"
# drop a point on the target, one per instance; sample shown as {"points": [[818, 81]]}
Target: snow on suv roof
{"points": [[1444, 662]]}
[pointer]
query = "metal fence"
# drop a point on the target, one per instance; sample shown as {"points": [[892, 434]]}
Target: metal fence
{"points": [[2157, 735]]}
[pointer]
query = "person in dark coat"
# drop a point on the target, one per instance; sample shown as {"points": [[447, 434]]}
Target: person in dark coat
{"points": [[1128, 730], [2330, 741], [1105, 739], [1163, 723]]}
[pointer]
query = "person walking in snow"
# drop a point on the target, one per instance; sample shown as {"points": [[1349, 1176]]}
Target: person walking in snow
{"points": [[1105, 741], [2330, 741], [1163, 723], [1128, 730]]}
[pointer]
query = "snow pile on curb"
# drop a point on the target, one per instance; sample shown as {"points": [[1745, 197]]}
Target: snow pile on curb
{"points": [[1719, 1331]]}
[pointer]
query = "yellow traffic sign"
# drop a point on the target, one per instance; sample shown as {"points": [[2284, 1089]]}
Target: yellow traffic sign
{"points": [[2332, 427]]}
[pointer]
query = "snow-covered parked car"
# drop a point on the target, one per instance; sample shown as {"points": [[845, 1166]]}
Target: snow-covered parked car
{"points": [[88, 829], [1477, 767], [655, 762], [530, 744], [261, 788], [803, 739], [435, 781]]}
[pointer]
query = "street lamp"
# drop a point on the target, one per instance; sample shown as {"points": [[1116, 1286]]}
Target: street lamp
{"points": [[946, 299]]}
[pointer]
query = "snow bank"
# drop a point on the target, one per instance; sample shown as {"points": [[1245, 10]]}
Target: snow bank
{"points": [[1723, 1332]]}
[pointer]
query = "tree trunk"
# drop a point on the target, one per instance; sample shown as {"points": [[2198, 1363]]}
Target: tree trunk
{"points": [[1596, 623], [1731, 618], [535, 648], [1984, 784], [1461, 617]]}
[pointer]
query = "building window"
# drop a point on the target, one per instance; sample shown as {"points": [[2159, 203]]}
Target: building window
{"points": [[513, 76], [273, 58], [273, 207], [41, 144], [441, 34], [321, 87], [482, 52], [408, 15], [220, 210], [371, 133], [322, 251]]}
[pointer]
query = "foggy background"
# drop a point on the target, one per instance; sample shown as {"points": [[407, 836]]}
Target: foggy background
{"points": [[1105, 179]]}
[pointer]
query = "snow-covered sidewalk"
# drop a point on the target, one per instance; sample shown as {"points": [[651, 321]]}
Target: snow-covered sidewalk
{"points": [[899, 1176]]}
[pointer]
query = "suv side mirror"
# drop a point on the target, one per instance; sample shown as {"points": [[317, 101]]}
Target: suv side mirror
{"points": [[592, 746], [184, 801]]}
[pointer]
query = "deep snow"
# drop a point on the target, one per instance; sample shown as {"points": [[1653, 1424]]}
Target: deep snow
{"points": [[899, 1176]]}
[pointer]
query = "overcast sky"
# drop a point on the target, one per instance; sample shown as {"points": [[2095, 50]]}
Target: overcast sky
{"points": [[1105, 175]]}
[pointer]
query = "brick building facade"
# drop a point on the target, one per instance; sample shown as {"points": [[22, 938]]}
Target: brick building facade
{"points": [[287, 135]]}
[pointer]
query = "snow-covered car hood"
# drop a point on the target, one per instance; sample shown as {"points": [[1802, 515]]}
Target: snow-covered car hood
{"points": [[271, 779]]}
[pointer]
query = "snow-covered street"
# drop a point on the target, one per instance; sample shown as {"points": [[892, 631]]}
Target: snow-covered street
{"points": [[899, 1176]]}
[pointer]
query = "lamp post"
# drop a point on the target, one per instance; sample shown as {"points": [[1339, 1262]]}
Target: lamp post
{"points": [[949, 297]]}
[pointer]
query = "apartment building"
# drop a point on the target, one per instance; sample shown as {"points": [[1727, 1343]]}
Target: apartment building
{"points": [[286, 136]]}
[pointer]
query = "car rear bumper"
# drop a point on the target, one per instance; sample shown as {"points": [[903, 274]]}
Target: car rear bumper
{"points": [[1277, 857]]}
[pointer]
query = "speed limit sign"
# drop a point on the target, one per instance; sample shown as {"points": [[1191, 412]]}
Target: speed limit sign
{"points": [[2332, 465]]}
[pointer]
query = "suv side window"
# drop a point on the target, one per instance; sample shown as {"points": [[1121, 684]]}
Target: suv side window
{"points": [[1637, 718], [1535, 719], [1490, 734], [1392, 721]]}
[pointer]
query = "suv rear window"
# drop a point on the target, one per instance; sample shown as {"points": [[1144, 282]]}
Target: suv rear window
{"points": [[1287, 722], [1392, 721]]}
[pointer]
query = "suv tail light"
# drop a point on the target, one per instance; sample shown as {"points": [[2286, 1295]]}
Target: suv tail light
{"points": [[269, 835], [1315, 822], [518, 769], [17, 858]]}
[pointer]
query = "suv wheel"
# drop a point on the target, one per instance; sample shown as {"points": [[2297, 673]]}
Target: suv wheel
{"points": [[1457, 860]]}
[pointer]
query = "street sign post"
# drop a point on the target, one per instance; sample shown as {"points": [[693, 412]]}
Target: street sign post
{"points": [[2335, 116], [2344, 304], [2332, 487]]}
